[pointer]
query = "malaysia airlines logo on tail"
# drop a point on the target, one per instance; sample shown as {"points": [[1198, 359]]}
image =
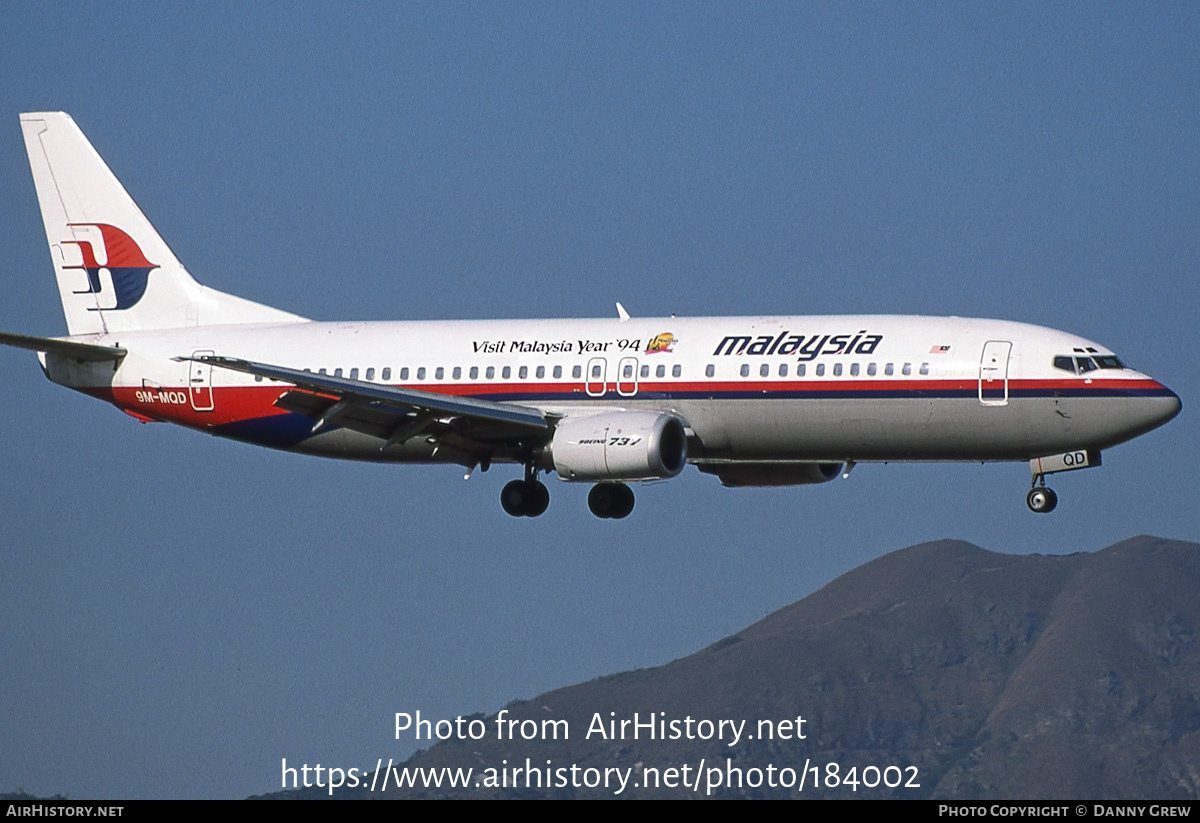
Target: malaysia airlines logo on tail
{"points": [[126, 264]]}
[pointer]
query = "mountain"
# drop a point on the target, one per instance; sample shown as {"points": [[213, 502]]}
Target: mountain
{"points": [[995, 676]]}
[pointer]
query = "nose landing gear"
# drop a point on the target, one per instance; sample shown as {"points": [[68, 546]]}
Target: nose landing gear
{"points": [[1041, 500]]}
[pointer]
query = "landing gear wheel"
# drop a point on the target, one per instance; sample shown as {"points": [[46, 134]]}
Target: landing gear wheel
{"points": [[513, 497], [611, 500], [1041, 500], [539, 499], [525, 498], [600, 500], [623, 504]]}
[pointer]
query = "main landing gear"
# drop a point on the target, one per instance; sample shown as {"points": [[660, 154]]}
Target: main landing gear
{"points": [[529, 498], [525, 498], [610, 500]]}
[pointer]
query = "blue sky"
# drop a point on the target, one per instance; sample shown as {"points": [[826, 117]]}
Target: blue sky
{"points": [[178, 613]]}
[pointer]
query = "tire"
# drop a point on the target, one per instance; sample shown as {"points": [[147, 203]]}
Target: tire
{"points": [[539, 499], [600, 500], [622, 501], [514, 498], [1041, 500]]}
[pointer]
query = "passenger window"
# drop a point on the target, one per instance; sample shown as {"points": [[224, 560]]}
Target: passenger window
{"points": [[439, 373], [540, 373], [491, 372], [354, 373], [854, 369], [522, 372], [800, 370], [474, 373], [337, 372], [421, 373], [676, 371], [709, 370], [557, 372], [404, 373], [837, 369], [258, 377], [506, 372], [889, 369], [661, 371], [764, 370], [745, 370], [457, 373], [870, 369], [387, 373], [645, 371], [783, 369], [924, 368], [371, 373], [320, 371], [820, 370], [907, 369], [596, 371], [577, 372]]}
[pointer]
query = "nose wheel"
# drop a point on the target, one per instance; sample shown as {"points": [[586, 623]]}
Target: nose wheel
{"points": [[1041, 500]]}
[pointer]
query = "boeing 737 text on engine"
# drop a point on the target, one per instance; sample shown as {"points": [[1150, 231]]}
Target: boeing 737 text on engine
{"points": [[756, 401]]}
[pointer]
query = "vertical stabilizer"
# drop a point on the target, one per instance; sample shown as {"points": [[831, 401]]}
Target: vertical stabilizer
{"points": [[115, 273]]}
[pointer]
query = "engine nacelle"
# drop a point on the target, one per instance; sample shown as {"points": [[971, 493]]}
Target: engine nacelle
{"points": [[619, 445], [773, 474]]}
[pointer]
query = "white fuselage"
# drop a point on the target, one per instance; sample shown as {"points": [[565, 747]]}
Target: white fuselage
{"points": [[819, 388]]}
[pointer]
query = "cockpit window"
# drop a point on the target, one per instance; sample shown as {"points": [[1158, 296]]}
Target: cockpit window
{"points": [[1083, 365]]}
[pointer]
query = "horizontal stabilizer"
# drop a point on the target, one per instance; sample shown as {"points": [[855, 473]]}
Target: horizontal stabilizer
{"points": [[83, 352]]}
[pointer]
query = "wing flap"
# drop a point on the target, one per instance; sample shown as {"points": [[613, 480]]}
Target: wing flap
{"points": [[372, 420]]}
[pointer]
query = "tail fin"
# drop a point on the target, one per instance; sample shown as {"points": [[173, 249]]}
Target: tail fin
{"points": [[114, 271]]}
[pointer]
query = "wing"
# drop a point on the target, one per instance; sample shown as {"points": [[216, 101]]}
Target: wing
{"points": [[396, 415]]}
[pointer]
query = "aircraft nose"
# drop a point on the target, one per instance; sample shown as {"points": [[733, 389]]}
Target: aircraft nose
{"points": [[1172, 405], [1161, 407]]}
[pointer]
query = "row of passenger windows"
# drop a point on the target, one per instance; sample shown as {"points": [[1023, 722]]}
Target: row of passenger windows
{"points": [[597, 371], [764, 370], [456, 373]]}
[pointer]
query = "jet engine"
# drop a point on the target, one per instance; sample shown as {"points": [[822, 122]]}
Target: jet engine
{"points": [[773, 474], [618, 445]]}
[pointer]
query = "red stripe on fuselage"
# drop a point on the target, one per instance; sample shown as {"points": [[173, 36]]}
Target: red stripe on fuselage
{"points": [[233, 404]]}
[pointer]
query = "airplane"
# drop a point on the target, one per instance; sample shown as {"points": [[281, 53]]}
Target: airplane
{"points": [[755, 401]]}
